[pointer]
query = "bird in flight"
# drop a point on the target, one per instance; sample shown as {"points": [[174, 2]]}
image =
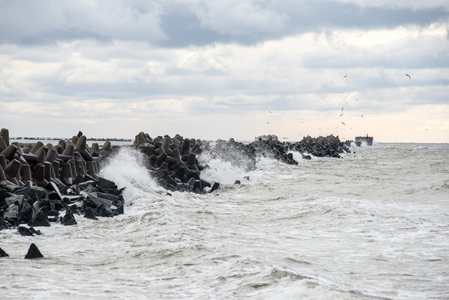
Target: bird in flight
{"points": [[361, 116], [343, 123], [409, 77], [342, 114], [345, 76]]}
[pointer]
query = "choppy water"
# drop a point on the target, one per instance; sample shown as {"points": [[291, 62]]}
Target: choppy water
{"points": [[373, 225]]}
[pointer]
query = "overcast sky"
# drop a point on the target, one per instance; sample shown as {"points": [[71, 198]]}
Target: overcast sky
{"points": [[222, 69]]}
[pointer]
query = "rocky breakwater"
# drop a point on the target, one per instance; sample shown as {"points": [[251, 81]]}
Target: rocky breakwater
{"points": [[41, 184], [328, 146], [173, 162], [275, 149], [322, 146]]}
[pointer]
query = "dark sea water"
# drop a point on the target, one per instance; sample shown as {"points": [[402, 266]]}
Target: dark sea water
{"points": [[371, 225]]}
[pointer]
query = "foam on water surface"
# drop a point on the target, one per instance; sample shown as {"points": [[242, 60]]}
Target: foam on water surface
{"points": [[351, 228]]}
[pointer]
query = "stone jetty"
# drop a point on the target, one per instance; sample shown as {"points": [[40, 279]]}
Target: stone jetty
{"points": [[41, 184], [173, 161]]}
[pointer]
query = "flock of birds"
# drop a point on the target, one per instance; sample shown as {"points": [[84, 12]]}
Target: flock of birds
{"points": [[342, 109]]}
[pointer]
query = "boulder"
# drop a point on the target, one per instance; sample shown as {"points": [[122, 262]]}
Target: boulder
{"points": [[3, 253], [39, 219], [69, 218], [33, 252]]}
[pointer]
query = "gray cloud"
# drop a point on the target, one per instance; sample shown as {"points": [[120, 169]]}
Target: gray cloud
{"points": [[38, 21], [179, 24], [139, 61]]}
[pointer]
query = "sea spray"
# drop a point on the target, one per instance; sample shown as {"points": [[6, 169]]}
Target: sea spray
{"points": [[220, 170], [127, 169]]}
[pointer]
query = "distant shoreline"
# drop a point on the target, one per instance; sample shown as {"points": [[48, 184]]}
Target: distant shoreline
{"points": [[57, 139]]}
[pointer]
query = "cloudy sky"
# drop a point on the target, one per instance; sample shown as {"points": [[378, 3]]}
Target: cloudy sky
{"points": [[222, 69]]}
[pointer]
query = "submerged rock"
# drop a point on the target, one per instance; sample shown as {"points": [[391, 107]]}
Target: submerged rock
{"points": [[90, 214], [33, 252], [69, 218], [3, 253]]}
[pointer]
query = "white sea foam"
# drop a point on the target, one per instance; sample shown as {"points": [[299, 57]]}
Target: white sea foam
{"points": [[371, 225], [127, 169]]}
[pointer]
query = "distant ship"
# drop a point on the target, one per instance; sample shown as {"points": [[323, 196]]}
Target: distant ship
{"points": [[367, 139]]}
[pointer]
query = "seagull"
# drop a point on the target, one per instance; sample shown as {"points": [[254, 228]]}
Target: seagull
{"points": [[361, 115], [409, 77], [342, 114], [342, 108], [268, 122], [343, 123], [345, 76], [269, 111]]}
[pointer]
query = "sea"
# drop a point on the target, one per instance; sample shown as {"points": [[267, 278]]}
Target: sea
{"points": [[373, 224]]}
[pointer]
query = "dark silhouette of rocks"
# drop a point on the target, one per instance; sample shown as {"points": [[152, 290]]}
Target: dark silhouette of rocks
{"points": [[173, 161], [33, 252], [39, 182], [43, 184], [3, 253], [25, 231]]}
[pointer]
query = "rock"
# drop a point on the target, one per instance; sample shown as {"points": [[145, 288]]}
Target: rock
{"points": [[11, 212], [33, 252], [99, 201], [39, 219], [25, 231], [120, 210], [102, 211], [105, 183], [3, 253], [69, 218], [26, 213], [90, 214], [215, 186]]}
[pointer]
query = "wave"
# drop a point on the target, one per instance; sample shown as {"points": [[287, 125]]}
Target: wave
{"points": [[127, 169]]}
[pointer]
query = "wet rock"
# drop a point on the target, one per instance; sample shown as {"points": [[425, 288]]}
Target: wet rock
{"points": [[102, 211], [26, 213], [106, 184], [39, 219], [33, 252], [215, 186], [68, 219], [25, 231], [3, 253], [120, 210], [90, 214], [11, 212]]}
